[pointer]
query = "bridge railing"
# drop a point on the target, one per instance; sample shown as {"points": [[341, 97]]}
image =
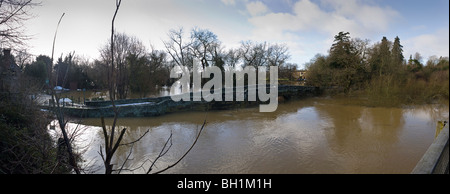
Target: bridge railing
{"points": [[435, 160]]}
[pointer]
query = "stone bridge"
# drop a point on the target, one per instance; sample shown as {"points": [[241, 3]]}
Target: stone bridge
{"points": [[147, 107]]}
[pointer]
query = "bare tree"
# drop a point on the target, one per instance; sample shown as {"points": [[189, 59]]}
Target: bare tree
{"points": [[110, 146], [232, 57], [263, 54], [13, 14], [204, 45], [277, 54], [124, 46], [253, 54], [23, 57], [178, 49]]}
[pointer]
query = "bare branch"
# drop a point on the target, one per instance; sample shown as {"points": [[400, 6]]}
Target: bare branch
{"points": [[163, 151], [131, 143], [56, 32], [13, 13], [184, 155], [126, 159], [105, 135]]}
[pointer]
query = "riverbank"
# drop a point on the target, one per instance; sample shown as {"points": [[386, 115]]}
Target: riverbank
{"points": [[364, 98], [392, 91]]}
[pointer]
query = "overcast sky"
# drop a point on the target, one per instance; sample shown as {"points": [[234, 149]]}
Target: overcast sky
{"points": [[306, 26]]}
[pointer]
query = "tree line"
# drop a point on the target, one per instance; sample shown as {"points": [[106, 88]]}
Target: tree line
{"points": [[139, 69], [380, 71]]}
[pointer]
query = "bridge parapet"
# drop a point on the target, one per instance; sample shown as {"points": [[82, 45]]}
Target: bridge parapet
{"points": [[146, 107], [435, 160]]}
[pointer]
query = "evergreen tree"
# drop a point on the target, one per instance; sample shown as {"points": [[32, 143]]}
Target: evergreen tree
{"points": [[39, 69], [397, 53], [414, 64], [341, 51], [385, 56], [345, 62]]}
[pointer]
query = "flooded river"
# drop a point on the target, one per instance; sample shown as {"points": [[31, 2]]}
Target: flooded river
{"points": [[314, 135]]}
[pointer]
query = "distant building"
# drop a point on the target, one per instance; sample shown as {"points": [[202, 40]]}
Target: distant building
{"points": [[299, 74], [9, 73]]}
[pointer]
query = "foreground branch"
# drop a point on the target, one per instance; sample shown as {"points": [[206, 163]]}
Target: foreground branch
{"points": [[184, 155]]}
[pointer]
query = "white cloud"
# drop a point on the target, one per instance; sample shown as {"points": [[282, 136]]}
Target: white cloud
{"points": [[352, 16], [371, 18], [256, 8], [428, 44]]}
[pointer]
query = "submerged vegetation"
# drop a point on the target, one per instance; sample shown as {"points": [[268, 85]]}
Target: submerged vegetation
{"points": [[379, 73]]}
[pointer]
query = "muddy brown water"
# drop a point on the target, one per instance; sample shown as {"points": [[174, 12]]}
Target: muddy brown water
{"points": [[314, 135]]}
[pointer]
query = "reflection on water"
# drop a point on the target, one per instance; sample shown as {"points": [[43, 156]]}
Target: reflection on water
{"points": [[316, 135]]}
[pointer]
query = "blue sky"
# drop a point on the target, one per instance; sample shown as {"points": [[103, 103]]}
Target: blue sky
{"points": [[307, 27]]}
